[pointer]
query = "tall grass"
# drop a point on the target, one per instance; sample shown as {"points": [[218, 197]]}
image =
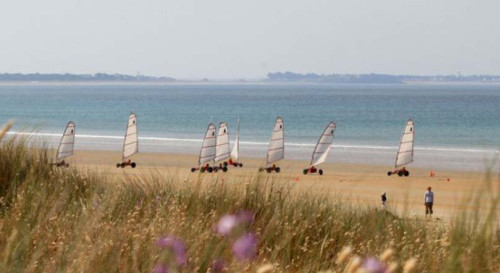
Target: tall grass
{"points": [[63, 220]]}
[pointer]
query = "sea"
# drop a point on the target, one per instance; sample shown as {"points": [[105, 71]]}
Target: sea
{"points": [[457, 126]]}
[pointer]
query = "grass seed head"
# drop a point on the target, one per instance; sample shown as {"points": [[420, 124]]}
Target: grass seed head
{"points": [[354, 264], [267, 268], [409, 265], [344, 254], [386, 255]]}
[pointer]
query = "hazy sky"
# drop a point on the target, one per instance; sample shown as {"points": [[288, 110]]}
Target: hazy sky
{"points": [[236, 38]]}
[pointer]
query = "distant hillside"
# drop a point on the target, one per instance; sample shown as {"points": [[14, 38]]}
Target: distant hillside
{"points": [[375, 78], [98, 77]]}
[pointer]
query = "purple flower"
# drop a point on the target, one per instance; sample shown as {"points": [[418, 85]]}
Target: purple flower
{"points": [[219, 266], [245, 217], [230, 221], [373, 265], [226, 224], [160, 268], [245, 248], [176, 245]]}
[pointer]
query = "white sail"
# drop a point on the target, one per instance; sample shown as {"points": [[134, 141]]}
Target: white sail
{"points": [[405, 151], [130, 144], [67, 143], [276, 150], [222, 143], [324, 144], [207, 153], [236, 146]]}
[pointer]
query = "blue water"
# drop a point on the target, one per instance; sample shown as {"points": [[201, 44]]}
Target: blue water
{"points": [[459, 122]]}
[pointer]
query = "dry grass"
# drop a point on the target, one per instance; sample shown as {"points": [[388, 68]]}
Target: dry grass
{"points": [[61, 220]]}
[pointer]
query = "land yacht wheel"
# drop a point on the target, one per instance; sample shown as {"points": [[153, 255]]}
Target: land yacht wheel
{"points": [[320, 172]]}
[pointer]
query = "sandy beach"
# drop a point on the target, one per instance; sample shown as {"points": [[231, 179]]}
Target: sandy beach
{"points": [[357, 184]]}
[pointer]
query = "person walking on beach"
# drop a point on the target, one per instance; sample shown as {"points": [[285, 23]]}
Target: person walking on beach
{"points": [[384, 200], [429, 201]]}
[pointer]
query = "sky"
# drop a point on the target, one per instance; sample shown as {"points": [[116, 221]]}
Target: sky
{"points": [[230, 39]]}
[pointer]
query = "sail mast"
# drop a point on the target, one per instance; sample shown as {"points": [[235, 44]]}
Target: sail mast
{"points": [[67, 143], [207, 152], [130, 143], [405, 150], [236, 146], [276, 150], [222, 151], [324, 144]]}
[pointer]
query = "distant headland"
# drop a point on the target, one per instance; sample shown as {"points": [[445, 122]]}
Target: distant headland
{"points": [[273, 77]]}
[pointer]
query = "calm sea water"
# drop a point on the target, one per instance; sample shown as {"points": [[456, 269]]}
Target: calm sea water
{"points": [[457, 126]]}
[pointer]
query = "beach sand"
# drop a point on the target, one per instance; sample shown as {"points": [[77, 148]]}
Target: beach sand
{"points": [[360, 185]]}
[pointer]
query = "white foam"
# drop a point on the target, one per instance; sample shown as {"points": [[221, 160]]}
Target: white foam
{"points": [[257, 143]]}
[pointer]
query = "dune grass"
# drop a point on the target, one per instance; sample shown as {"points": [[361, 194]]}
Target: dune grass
{"points": [[64, 220]]}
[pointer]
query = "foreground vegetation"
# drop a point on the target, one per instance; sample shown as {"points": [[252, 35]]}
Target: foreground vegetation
{"points": [[63, 220]]}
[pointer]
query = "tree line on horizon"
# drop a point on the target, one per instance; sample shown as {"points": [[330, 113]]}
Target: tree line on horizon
{"points": [[375, 78], [99, 77], [371, 78]]}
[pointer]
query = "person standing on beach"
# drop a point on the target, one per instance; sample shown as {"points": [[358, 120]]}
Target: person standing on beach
{"points": [[384, 200], [429, 201]]}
